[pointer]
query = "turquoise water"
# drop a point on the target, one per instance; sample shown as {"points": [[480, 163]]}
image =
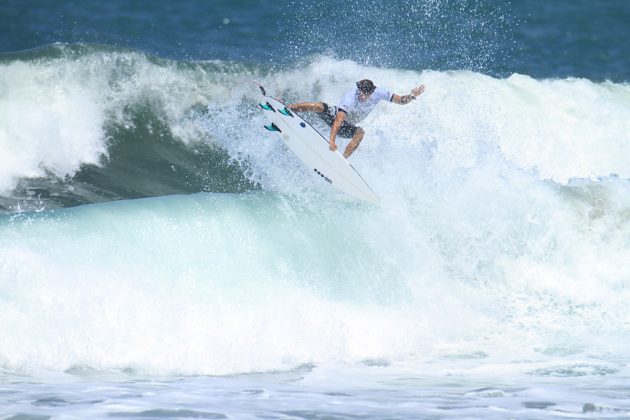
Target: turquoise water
{"points": [[163, 256]]}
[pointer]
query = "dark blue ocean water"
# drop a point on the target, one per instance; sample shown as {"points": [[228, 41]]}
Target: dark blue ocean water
{"points": [[579, 38]]}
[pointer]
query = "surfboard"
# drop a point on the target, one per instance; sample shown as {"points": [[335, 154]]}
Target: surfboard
{"points": [[313, 150]]}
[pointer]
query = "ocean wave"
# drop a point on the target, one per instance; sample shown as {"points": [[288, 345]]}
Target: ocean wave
{"points": [[501, 229], [254, 282], [84, 124]]}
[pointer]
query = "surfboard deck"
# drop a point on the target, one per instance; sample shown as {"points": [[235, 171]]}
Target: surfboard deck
{"points": [[313, 150]]}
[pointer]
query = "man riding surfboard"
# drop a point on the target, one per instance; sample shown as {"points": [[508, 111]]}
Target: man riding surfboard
{"points": [[354, 106]]}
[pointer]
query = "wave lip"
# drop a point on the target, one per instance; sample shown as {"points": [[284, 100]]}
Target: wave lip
{"points": [[51, 121]]}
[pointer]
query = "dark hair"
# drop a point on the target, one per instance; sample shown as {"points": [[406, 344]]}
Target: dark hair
{"points": [[366, 86]]}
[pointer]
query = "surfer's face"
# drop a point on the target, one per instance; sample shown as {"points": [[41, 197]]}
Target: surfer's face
{"points": [[362, 96]]}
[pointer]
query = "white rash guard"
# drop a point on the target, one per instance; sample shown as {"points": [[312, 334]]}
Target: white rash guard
{"points": [[355, 110]]}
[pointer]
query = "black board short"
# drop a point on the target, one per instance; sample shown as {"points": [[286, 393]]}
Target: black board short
{"points": [[347, 130]]}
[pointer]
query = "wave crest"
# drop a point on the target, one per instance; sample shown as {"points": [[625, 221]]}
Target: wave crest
{"points": [[84, 124]]}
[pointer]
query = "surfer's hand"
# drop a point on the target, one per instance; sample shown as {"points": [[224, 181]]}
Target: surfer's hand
{"points": [[417, 91], [333, 146]]}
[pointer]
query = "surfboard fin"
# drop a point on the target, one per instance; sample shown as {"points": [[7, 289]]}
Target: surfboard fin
{"points": [[273, 127], [285, 111], [267, 107]]}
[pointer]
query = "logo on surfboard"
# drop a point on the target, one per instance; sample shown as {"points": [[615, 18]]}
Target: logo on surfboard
{"points": [[323, 176]]}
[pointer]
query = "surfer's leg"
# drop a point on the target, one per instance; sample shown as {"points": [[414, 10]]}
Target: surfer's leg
{"points": [[354, 143], [307, 106]]}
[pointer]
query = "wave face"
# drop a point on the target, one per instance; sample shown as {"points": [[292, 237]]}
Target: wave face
{"points": [[119, 124], [503, 228], [84, 124]]}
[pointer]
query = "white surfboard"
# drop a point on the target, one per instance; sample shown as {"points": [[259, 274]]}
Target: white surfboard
{"points": [[312, 149]]}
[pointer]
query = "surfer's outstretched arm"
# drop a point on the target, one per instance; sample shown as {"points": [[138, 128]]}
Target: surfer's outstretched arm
{"points": [[405, 99]]}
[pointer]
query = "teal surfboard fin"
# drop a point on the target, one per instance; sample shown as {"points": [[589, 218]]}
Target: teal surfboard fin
{"points": [[273, 127], [267, 107], [285, 111]]}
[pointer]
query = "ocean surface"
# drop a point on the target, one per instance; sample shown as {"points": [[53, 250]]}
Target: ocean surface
{"points": [[163, 256]]}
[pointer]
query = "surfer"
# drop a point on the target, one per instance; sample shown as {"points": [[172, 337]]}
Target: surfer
{"points": [[354, 106]]}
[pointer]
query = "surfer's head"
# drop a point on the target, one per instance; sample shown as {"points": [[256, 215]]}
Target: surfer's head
{"points": [[365, 88]]}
